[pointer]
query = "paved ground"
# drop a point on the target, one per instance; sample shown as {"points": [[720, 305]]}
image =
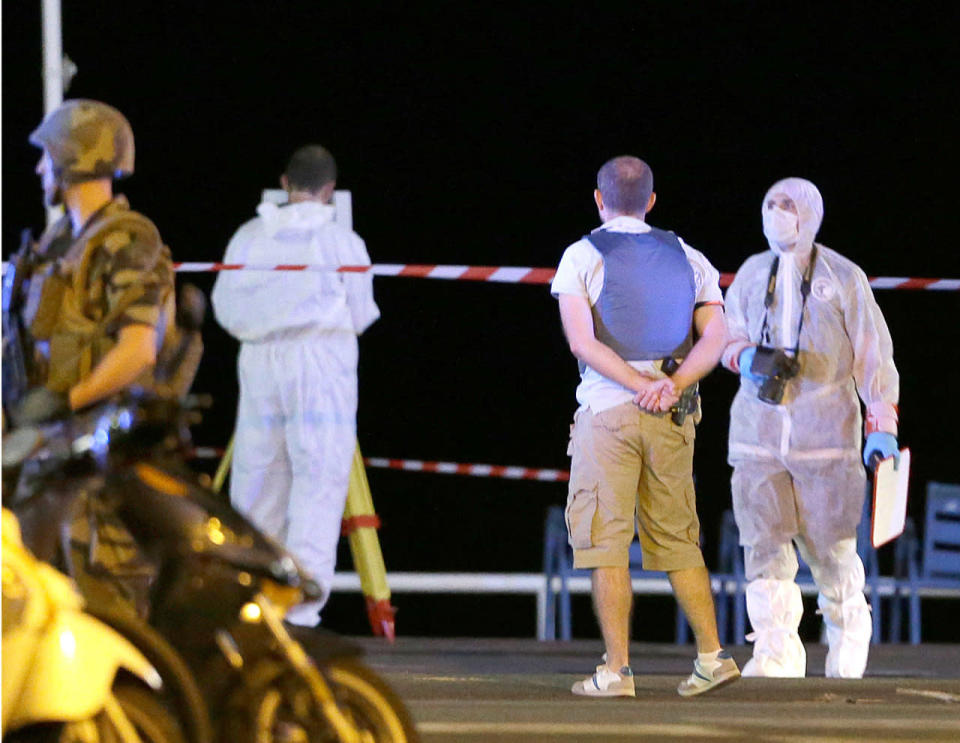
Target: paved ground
{"points": [[469, 690]]}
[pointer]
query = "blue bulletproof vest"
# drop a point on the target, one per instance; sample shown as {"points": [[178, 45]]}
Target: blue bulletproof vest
{"points": [[645, 309]]}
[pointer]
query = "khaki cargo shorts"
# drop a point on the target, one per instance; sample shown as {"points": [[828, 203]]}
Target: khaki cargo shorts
{"points": [[632, 471]]}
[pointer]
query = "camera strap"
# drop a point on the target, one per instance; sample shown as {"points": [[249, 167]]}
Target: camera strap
{"points": [[804, 293]]}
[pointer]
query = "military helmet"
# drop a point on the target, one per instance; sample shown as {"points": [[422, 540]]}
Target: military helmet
{"points": [[86, 140]]}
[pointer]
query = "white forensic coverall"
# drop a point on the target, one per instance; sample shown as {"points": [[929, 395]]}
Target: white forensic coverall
{"points": [[797, 472], [296, 417]]}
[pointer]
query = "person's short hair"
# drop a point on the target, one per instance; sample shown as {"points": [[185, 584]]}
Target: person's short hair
{"points": [[625, 182], [310, 168]]}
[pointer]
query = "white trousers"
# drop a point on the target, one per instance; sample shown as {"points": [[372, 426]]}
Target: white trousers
{"points": [[294, 445], [815, 511]]}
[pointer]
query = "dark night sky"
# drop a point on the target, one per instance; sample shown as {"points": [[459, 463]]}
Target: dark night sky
{"points": [[471, 133]]}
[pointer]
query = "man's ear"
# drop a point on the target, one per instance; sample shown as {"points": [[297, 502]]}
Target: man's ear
{"points": [[284, 183], [598, 198], [653, 200]]}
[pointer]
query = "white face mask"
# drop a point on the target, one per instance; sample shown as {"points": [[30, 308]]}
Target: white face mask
{"points": [[780, 226]]}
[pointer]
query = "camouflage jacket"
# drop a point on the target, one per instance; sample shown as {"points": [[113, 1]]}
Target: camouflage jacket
{"points": [[84, 289]]}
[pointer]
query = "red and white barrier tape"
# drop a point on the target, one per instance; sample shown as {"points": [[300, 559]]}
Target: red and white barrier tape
{"points": [[903, 282], [443, 468], [507, 274], [501, 274], [473, 470]]}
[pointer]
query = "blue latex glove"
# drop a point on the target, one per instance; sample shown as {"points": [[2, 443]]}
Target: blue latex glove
{"points": [[745, 360], [882, 444]]}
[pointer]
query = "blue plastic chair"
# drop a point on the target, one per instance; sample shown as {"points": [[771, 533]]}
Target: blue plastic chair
{"points": [[934, 562], [871, 568], [730, 584], [731, 563], [554, 539]]}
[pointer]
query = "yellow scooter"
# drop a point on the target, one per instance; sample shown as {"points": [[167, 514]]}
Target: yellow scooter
{"points": [[68, 677]]}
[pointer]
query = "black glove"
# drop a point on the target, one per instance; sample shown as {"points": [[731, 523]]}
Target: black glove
{"points": [[40, 405]]}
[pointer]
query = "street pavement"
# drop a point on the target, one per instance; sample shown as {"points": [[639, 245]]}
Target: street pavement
{"points": [[471, 690]]}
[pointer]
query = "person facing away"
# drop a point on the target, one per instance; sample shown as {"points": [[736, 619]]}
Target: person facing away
{"points": [[805, 335], [633, 299], [296, 416], [92, 300]]}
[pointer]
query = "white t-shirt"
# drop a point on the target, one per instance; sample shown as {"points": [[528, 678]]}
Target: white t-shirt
{"points": [[580, 273]]}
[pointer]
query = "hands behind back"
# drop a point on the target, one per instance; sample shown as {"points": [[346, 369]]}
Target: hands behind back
{"points": [[656, 395]]}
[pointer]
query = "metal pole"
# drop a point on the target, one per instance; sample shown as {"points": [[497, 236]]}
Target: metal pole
{"points": [[52, 56], [52, 71]]}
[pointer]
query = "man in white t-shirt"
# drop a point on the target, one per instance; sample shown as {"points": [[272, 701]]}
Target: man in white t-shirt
{"points": [[643, 314]]}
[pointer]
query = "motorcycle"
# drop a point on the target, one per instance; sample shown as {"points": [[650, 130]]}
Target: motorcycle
{"points": [[215, 586], [67, 676]]}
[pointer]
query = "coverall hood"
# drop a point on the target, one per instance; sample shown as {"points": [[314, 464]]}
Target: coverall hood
{"points": [[809, 205], [292, 219]]}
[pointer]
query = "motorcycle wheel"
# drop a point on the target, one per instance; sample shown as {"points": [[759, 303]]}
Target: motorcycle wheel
{"points": [[374, 707], [152, 720], [275, 706], [181, 688]]}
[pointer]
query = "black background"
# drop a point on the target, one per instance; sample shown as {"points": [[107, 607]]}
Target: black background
{"points": [[471, 134]]}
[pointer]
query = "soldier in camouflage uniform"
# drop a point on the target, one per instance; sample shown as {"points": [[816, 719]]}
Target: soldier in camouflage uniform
{"points": [[96, 305], [97, 287]]}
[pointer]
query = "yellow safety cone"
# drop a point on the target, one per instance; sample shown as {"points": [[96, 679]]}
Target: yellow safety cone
{"points": [[360, 524]]}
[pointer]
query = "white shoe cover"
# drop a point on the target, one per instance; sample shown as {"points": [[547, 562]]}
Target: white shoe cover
{"points": [[849, 628], [306, 614], [775, 608]]}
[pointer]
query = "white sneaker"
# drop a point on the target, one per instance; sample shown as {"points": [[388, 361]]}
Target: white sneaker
{"points": [[701, 680], [607, 683]]}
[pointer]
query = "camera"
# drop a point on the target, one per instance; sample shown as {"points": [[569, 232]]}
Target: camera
{"points": [[775, 367]]}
